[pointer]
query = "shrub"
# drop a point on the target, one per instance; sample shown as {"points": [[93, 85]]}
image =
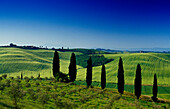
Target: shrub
{"points": [[43, 98], [4, 76], [1, 78], [7, 83], [61, 77], [27, 85], [46, 78], [55, 86], [50, 83], [37, 83], [32, 94], [12, 78], [63, 94], [47, 88], [38, 89], [18, 77], [32, 77], [38, 76], [18, 81], [2, 87], [16, 93], [26, 79], [54, 96]]}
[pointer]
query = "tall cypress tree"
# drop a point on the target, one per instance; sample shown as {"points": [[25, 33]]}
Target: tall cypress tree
{"points": [[155, 88], [72, 68], [89, 72], [103, 77], [21, 76], [120, 77], [56, 65], [138, 82]]}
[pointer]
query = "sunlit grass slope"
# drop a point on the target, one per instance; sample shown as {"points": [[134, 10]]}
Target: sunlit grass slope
{"points": [[150, 63], [13, 61]]}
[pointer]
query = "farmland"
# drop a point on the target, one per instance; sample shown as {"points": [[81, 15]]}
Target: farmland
{"points": [[14, 61]]}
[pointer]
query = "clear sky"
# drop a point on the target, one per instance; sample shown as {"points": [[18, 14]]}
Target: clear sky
{"points": [[86, 23]]}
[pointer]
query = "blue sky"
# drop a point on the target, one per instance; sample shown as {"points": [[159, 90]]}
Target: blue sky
{"points": [[86, 23]]}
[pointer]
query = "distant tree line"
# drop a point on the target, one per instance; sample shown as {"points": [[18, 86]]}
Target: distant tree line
{"points": [[73, 73]]}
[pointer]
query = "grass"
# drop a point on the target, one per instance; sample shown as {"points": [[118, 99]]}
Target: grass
{"points": [[75, 96], [14, 61], [163, 91]]}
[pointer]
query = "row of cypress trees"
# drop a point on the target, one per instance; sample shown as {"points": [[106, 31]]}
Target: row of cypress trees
{"points": [[137, 83], [72, 67], [121, 81]]}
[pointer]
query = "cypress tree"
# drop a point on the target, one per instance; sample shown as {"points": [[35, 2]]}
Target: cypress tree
{"points": [[21, 76], [89, 72], [72, 68], [120, 77], [138, 82], [103, 77], [56, 65], [155, 88]]}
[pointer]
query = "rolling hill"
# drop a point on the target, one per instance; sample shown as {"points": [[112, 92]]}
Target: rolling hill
{"points": [[30, 62], [13, 61]]}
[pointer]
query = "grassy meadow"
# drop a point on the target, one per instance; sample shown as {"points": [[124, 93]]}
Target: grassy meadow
{"points": [[49, 94], [14, 61]]}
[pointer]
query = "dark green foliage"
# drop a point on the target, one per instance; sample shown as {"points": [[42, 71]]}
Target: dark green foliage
{"points": [[120, 77], [56, 64], [4, 76], [32, 77], [72, 68], [89, 72], [43, 98], [12, 78], [16, 93], [27, 80], [138, 82], [39, 77], [18, 81], [46, 78], [98, 60], [26, 77], [18, 77], [155, 88], [37, 83], [2, 87], [7, 83], [27, 85], [61, 77], [103, 77], [1, 78], [21, 76], [32, 94], [47, 88]]}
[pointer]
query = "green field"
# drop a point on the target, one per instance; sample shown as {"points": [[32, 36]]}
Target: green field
{"points": [[13, 61], [58, 95]]}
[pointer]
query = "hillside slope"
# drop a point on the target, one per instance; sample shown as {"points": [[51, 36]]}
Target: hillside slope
{"points": [[70, 96], [13, 61], [150, 63]]}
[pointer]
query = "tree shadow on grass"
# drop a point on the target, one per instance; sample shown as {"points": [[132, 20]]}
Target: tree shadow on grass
{"points": [[6, 105]]}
